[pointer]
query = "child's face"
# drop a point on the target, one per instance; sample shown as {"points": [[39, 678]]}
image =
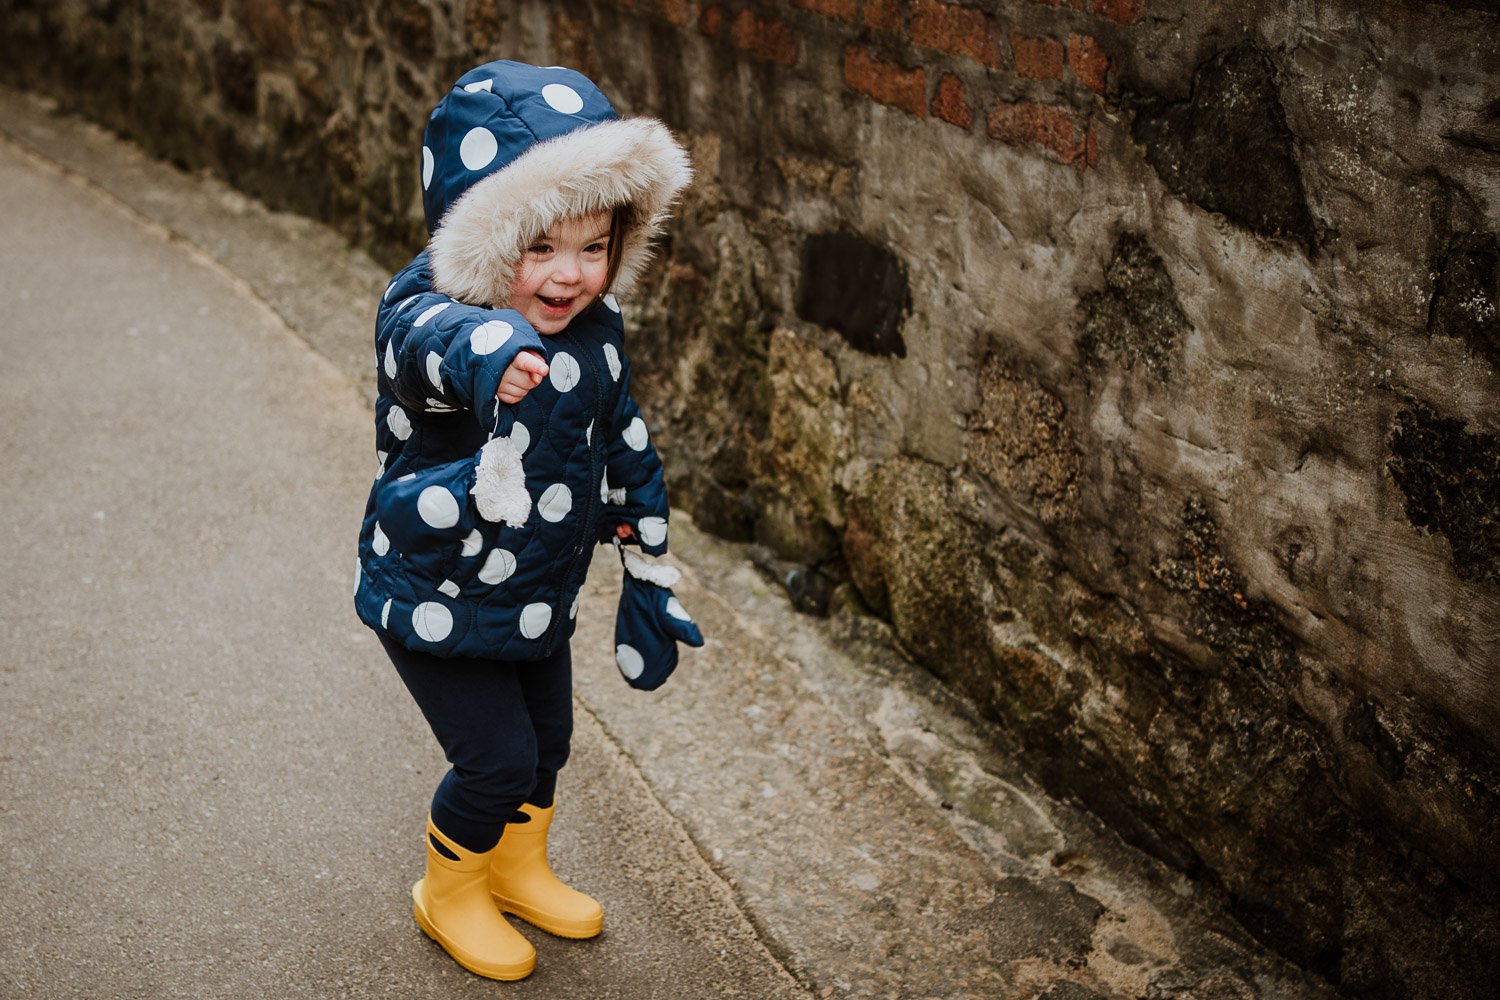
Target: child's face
{"points": [[562, 272]]}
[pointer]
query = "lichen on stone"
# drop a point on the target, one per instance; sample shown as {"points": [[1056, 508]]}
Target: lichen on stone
{"points": [[1136, 316], [1221, 614], [1019, 439]]}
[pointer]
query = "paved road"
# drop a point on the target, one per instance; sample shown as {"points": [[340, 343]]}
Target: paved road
{"points": [[214, 785]]}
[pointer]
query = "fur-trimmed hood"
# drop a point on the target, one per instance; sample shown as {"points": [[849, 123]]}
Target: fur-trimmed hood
{"points": [[514, 148]]}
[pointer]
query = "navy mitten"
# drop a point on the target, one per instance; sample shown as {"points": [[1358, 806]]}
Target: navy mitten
{"points": [[650, 623]]}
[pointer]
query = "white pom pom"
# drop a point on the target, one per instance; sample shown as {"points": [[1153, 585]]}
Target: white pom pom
{"points": [[500, 484]]}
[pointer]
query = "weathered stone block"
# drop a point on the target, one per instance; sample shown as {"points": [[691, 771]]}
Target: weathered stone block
{"points": [[1228, 148]]}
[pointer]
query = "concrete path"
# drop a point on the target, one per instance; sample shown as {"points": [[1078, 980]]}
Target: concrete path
{"points": [[214, 783]]}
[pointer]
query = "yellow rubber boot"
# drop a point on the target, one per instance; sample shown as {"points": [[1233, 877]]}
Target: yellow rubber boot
{"points": [[453, 906], [523, 883]]}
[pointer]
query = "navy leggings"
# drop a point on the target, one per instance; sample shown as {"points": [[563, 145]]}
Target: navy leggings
{"points": [[505, 726]]}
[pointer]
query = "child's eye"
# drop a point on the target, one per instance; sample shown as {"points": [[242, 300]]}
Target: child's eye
{"points": [[595, 248], [539, 248]]}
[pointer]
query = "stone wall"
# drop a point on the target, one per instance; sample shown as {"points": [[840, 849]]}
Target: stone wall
{"points": [[1136, 360]]}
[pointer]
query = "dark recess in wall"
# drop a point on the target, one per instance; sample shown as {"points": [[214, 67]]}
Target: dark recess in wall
{"points": [[1451, 482], [855, 287], [1464, 302]]}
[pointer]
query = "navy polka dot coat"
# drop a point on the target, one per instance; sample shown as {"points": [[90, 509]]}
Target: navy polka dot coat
{"points": [[481, 523]]}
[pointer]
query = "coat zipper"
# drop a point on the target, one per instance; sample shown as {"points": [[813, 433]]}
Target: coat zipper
{"points": [[591, 512]]}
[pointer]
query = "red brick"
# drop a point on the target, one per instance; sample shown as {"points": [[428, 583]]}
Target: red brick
{"points": [[1037, 58], [962, 31], [839, 10], [950, 103], [1089, 62], [709, 21], [887, 82], [883, 16], [679, 12], [1122, 11], [1051, 128], [764, 38]]}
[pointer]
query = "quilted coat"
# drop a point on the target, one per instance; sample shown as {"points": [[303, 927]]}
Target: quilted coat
{"points": [[482, 519]]}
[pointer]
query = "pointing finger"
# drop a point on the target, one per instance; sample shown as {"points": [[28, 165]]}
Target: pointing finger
{"points": [[531, 362]]}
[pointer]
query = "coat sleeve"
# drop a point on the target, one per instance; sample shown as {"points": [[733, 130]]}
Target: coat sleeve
{"points": [[439, 355], [637, 491]]}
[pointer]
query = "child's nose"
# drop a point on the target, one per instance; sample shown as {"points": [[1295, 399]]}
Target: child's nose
{"points": [[567, 271]]}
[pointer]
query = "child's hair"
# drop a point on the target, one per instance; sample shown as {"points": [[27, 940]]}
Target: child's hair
{"points": [[620, 221]]}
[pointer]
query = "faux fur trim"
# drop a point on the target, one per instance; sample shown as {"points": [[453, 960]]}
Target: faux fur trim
{"points": [[500, 484], [660, 574], [478, 244]]}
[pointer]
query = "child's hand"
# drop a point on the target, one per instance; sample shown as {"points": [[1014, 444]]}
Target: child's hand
{"points": [[524, 374], [624, 532]]}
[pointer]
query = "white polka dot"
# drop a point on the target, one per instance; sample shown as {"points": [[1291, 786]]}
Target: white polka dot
{"points": [[387, 296], [390, 359], [653, 530], [520, 437], [430, 312], [434, 369], [676, 610], [564, 371], [380, 544], [481, 85], [448, 587], [380, 457], [573, 611], [426, 168], [555, 503], [385, 615], [437, 406], [632, 664], [635, 435], [588, 433], [472, 544], [407, 303], [616, 497], [478, 148], [399, 423], [612, 358], [604, 486], [534, 620], [437, 507], [409, 475], [498, 566], [432, 621], [562, 98], [612, 302], [487, 338], [359, 574]]}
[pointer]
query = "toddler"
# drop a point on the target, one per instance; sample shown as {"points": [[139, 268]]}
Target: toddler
{"points": [[509, 446]]}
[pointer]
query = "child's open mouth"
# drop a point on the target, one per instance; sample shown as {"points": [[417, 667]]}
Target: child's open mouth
{"points": [[556, 305]]}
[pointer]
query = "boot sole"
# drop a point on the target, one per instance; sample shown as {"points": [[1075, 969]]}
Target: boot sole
{"points": [[489, 970], [576, 930]]}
